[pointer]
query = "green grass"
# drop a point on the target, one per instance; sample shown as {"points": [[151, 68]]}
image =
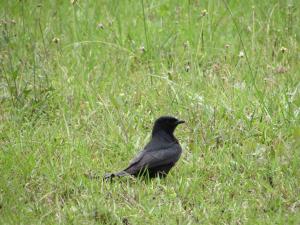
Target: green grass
{"points": [[81, 85]]}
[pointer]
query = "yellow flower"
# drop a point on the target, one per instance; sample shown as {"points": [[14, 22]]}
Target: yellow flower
{"points": [[55, 40], [283, 49], [204, 12]]}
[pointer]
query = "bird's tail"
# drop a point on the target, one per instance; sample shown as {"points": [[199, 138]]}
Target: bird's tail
{"points": [[110, 176]]}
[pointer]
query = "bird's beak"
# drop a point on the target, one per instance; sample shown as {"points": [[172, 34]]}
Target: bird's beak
{"points": [[180, 121]]}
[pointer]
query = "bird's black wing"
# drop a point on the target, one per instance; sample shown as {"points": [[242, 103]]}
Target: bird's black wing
{"points": [[137, 158], [151, 158]]}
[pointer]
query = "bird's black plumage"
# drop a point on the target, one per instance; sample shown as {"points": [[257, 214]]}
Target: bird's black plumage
{"points": [[159, 155]]}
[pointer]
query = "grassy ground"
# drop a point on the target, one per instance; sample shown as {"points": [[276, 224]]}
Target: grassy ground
{"points": [[82, 82]]}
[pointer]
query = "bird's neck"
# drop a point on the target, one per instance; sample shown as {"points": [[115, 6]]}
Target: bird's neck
{"points": [[164, 136]]}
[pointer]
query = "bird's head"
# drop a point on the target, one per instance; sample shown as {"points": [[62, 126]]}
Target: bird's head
{"points": [[166, 124]]}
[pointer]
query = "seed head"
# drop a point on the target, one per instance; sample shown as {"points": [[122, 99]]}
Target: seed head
{"points": [[241, 54]]}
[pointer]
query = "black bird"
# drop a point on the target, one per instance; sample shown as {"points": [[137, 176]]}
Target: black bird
{"points": [[159, 155]]}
